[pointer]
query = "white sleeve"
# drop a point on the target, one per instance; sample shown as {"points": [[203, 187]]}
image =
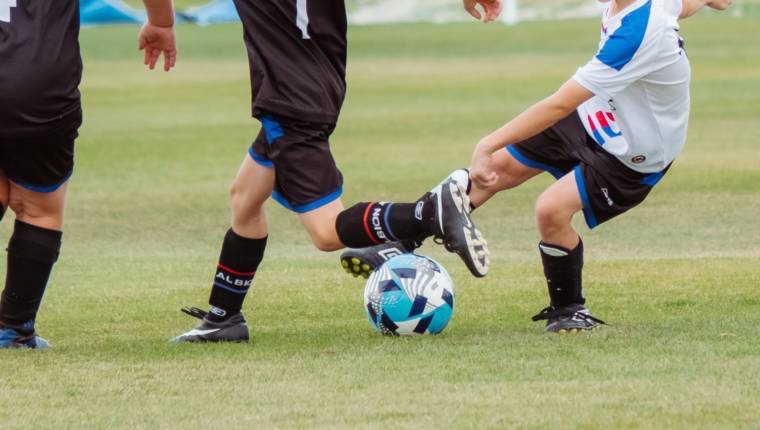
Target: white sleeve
{"points": [[628, 55]]}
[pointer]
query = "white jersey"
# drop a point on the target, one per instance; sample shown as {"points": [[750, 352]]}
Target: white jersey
{"points": [[640, 80]]}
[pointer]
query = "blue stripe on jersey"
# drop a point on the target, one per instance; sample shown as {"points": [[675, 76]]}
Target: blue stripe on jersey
{"points": [[623, 44], [272, 128]]}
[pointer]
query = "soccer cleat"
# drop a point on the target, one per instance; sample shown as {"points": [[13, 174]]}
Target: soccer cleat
{"points": [[568, 319], [453, 227], [363, 261], [12, 339], [233, 329]]}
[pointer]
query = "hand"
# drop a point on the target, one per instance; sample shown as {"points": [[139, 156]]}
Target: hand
{"points": [[481, 170], [719, 4], [154, 40], [492, 8]]}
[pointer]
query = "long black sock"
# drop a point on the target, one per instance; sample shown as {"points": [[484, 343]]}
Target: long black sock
{"points": [[238, 262], [367, 224], [32, 251], [563, 270]]}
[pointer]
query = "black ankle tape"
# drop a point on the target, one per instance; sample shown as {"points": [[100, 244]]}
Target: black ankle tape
{"points": [[35, 243]]}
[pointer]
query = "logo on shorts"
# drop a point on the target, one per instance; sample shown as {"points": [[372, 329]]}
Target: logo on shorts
{"points": [[606, 193], [638, 159]]}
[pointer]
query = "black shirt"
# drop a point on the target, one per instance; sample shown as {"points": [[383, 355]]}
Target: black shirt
{"points": [[40, 65], [297, 53]]}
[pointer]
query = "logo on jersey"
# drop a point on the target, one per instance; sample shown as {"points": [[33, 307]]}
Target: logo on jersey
{"points": [[5, 9], [638, 159], [607, 123]]}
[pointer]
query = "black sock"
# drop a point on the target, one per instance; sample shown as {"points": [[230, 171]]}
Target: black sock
{"points": [[367, 224], [32, 251], [563, 270], [238, 262]]}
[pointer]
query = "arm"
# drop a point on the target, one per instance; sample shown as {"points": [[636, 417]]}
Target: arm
{"points": [[157, 35], [534, 120], [492, 9], [690, 7]]}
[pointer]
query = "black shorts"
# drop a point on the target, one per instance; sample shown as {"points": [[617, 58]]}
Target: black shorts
{"points": [[45, 162], [607, 187], [306, 176]]}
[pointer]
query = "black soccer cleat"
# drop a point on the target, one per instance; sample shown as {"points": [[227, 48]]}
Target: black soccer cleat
{"points": [[363, 261], [12, 339], [233, 329], [568, 319], [453, 227]]}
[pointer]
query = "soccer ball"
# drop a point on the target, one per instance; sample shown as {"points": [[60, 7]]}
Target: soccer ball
{"points": [[409, 294]]}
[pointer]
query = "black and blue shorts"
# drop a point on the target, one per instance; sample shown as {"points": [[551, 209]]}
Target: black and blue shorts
{"points": [[306, 176], [607, 187], [43, 162]]}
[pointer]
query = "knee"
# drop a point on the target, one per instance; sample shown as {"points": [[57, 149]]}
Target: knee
{"points": [[550, 216], [243, 205]]}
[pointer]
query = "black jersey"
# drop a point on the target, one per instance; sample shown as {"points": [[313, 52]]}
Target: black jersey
{"points": [[297, 53], [40, 64]]}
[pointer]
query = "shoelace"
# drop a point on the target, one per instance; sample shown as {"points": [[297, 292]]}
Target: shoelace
{"points": [[195, 312], [550, 312]]}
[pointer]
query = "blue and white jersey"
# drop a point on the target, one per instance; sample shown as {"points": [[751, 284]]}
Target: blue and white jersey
{"points": [[640, 80]]}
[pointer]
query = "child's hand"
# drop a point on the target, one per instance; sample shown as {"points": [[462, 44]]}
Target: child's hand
{"points": [[481, 170], [719, 4], [492, 9], [154, 41]]}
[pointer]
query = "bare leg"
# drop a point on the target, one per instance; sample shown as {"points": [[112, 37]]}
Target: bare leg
{"points": [[555, 209], [43, 210], [250, 190], [320, 223], [511, 174]]}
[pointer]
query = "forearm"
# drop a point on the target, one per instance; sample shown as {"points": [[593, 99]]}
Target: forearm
{"points": [[160, 12], [690, 7], [532, 121]]}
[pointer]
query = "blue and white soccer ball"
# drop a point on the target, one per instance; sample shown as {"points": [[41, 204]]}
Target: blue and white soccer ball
{"points": [[409, 294]]}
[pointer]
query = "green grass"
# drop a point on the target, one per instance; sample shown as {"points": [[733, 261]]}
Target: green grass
{"points": [[677, 278]]}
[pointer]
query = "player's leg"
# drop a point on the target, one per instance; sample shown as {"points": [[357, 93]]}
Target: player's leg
{"points": [[32, 251], [561, 251], [320, 224], [242, 251], [363, 260]]}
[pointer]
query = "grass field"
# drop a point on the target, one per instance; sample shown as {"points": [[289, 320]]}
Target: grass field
{"points": [[676, 278]]}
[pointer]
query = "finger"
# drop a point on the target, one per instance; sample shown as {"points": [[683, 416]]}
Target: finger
{"points": [[154, 55], [494, 10], [146, 56], [172, 59], [141, 43], [474, 12]]}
